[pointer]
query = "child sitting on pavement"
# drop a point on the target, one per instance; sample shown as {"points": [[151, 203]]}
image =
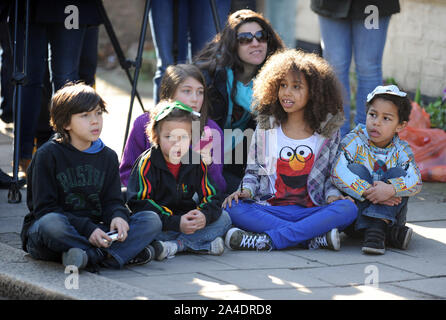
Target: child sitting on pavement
{"points": [[74, 193], [171, 180], [378, 169]]}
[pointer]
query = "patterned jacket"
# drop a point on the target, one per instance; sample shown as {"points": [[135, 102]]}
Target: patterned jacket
{"points": [[355, 148], [262, 158]]}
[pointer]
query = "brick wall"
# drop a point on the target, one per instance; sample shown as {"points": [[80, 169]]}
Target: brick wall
{"points": [[415, 52]]}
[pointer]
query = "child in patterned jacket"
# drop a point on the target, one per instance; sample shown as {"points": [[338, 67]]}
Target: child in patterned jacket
{"points": [[378, 169]]}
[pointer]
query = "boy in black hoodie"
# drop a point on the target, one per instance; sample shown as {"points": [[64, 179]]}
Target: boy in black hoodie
{"points": [[74, 193], [172, 181]]}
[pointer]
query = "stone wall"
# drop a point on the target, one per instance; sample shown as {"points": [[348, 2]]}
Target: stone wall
{"points": [[415, 52]]}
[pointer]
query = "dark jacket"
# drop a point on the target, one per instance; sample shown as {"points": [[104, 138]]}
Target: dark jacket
{"points": [[218, 96], [219, 101], [153, 187], [353, 9], [84, 187], [53, 11]]}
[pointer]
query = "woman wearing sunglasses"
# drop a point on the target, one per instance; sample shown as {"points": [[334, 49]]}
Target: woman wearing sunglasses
{"points": [[229, 63]]}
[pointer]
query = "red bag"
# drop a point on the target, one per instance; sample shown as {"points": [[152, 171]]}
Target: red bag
{"points": [[428, 145]]}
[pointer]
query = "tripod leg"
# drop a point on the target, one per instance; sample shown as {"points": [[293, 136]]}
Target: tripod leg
{"points": [[215, 15], [123, 62], [142, 37], [19, 78]]}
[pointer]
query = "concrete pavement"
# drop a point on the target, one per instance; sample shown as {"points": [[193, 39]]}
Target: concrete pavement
{"points": [[418, 273]]}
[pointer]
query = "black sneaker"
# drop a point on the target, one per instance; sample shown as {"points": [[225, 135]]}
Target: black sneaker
{"points": [[330, 240], [375, 237], [398, 237], [145, 256], [75, 257], [238, 239]]}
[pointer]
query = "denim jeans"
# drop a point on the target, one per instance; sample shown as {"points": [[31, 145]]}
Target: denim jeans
{"points": [[89, 55], [292, 225], [64, 55], [201, 239], [341, 38], [195, 22], [52, 234], [368, 211]]}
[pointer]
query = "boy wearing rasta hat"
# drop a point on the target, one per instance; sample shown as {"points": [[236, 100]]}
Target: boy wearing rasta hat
{"points": [[378, 169], [164, 180]]}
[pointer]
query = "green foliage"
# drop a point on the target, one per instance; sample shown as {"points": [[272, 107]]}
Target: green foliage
{"points": [[437, 112], [435, 109]]}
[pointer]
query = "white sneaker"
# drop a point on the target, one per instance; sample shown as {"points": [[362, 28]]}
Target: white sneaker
{"points": [[217, 247], [165, 249], [330, 240]]}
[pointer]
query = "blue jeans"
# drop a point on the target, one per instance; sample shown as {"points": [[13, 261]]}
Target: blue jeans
{"points": [[293, 225], [65, 49], [201, 239], [368, 211], [89, 56], [195, 22], [341, 38], [52, 234]]}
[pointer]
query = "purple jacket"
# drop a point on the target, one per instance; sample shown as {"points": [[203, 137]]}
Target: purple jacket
{"points": [[138, 142]]}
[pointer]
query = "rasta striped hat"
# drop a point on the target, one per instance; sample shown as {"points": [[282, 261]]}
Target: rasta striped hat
{"points": [[169, 107]]}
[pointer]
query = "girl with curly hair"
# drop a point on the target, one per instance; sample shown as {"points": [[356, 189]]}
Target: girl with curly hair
{"points": [[287, 198], [229, 63]]}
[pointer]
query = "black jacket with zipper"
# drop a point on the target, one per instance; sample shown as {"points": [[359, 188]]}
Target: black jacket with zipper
{"points": [[153, 187], [353, 9]]}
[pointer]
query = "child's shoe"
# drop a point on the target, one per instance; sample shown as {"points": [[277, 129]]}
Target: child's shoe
{"points": [[375, 237], [238, 239], [75, 257], [145, 256], [398, 236], [165, 249], [217, 247], [330, 240]]}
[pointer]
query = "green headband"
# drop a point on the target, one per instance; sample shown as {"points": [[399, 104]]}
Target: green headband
{"points": [[178, 105]]}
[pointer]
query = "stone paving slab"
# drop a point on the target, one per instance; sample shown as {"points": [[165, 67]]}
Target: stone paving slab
{"points": [[359, 274], [263, 260], [269, 279], [434, 286], [383, 292], [167, 284], [25, 278]]}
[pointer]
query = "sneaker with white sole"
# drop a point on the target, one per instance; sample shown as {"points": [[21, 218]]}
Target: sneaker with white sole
{"points": [[330, 240], [398, 237], [145, 256], [165, 249], [238, 239], [75, 257], [217, 247]]}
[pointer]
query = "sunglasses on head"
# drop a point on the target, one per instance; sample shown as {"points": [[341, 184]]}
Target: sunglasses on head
{"points": [[247, 37]]}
